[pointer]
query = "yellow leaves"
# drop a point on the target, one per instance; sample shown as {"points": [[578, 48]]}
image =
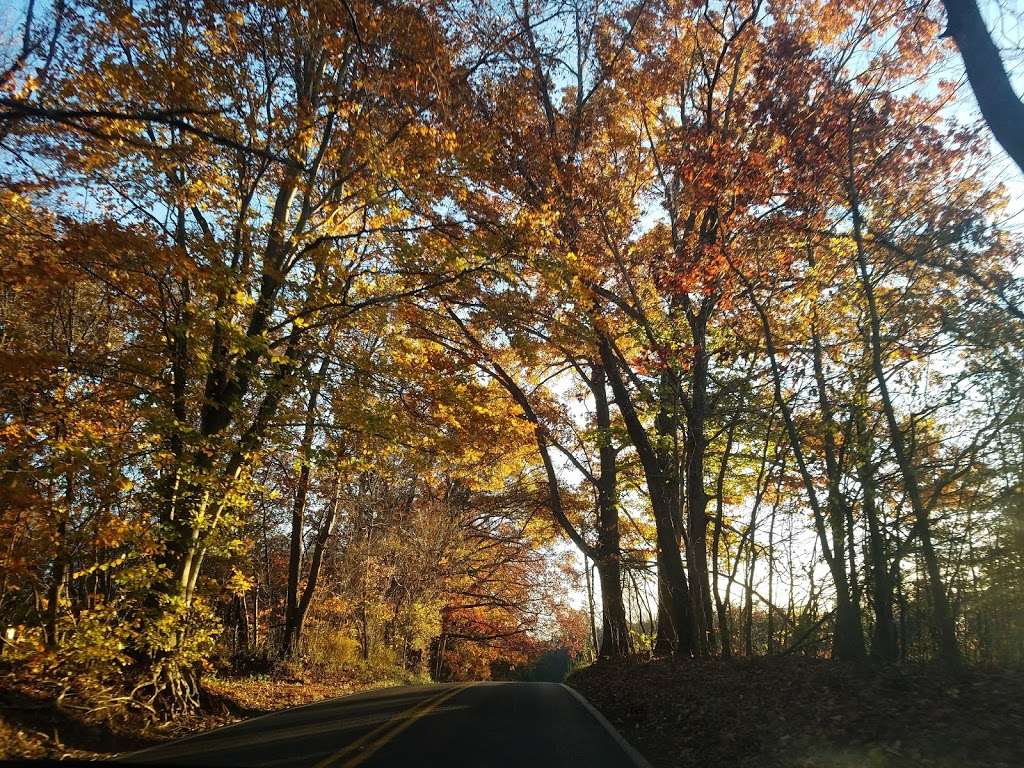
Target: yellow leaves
{"points": [[13, 204], [446, 415], [243, 299], [277, 358], [100, 567], [238, 583]]}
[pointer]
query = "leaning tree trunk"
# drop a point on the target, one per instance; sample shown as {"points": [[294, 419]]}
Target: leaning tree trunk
{"points": [[316, 562], [949, 651], [849, 643], [849, 638], [1000, 106]]}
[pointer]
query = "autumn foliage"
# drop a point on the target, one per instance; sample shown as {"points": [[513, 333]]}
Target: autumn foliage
{"points": [[418, 339]]}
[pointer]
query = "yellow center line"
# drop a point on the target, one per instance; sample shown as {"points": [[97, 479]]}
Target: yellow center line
{"points": [[369, 743]]}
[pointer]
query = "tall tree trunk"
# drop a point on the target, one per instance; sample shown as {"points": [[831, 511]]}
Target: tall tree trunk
{"points": [[60, 561], [849, 636], [696, 494], [588, 574], [748, 604], [884, 640], [771, 580], [666, 639], [722, 607], [291, 614], [256, 615], [849, 641], [949, 651], [56, 588], [674, 606], [615, 641], [242, 610], [316, 561]]}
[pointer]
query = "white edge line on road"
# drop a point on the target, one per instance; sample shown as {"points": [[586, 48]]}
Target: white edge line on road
{"points": [[638, 760]]}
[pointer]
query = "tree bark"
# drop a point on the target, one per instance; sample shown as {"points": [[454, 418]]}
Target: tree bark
{"points": [[676, 626], [949, 651], [1000, 106], [615, 640], [291, 615], [696, 494]]}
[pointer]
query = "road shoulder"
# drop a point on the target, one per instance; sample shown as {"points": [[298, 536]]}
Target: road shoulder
{"points": [[639, 761]]}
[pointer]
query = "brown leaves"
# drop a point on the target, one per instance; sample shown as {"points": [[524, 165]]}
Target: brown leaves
{"points": [[805, 712]]}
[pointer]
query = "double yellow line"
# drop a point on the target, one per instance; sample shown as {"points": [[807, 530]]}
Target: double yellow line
{"points": [[367, 745]]}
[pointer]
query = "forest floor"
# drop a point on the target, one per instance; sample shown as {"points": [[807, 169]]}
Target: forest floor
{"points": [[796, 712], [780, 712], [32, 725]]}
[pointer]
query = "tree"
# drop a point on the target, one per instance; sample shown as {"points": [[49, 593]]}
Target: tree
{"points": [[1000, 106]]}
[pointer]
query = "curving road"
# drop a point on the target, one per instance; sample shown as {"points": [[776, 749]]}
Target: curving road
{"points": [[475, 724]]}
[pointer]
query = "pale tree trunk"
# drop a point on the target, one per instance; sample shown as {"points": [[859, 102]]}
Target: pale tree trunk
{"points": [[291, 615], [60, 560], [591, 609]]}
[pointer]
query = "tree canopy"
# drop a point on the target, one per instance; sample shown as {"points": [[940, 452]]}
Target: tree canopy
{"points": [[442, 336]]}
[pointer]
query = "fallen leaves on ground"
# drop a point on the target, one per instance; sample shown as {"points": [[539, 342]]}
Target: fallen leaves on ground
{"points": [[33, 725], [803, 713], [251, 696]]}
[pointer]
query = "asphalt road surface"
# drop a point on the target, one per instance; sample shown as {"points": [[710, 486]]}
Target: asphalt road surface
{"points": [[475, 724]]}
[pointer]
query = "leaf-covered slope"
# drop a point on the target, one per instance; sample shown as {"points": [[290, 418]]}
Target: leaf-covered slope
{"points": [[809, 712]]}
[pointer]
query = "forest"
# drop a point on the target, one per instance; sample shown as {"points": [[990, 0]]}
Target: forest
{"points": [[357, 341]]}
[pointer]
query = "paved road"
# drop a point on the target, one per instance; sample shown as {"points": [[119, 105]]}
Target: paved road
{"points": [[477, 725]]}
